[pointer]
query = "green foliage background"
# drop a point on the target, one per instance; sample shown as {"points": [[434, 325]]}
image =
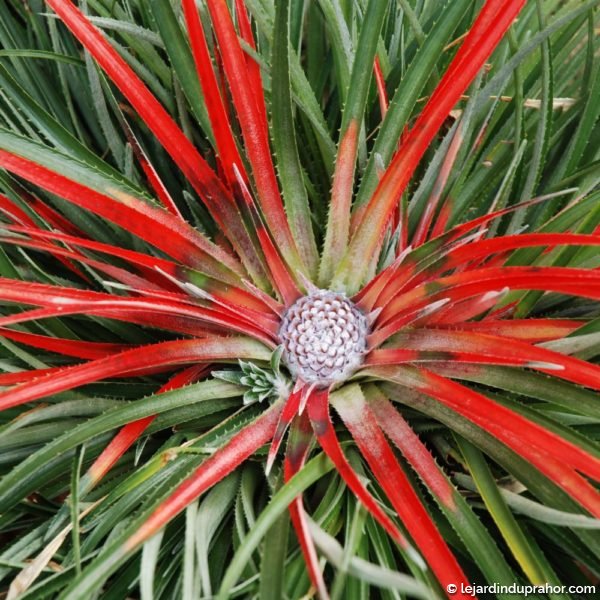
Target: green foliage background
{"points": [[530, 127]]}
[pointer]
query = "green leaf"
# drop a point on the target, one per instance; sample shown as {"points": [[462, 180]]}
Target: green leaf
{"points": [[535, 510], [367, 571], [212, 511], [524, 549], [409, 90], [310, 473], [285, 143], [150, 554], [210, 396], [181, 59]]}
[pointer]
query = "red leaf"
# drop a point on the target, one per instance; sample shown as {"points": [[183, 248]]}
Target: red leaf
{"points": [[318, 411], [163, 354], [148, 263], [63, 301], [132, 431], [530, 330], [413, 449], [254, 129], [155, 226], [478, 45], [121, 275], [422, 230], [14, 213], [410, 262], [359, 419], [487, 247], [501, 352], [75, 348], [284, 284], [219, 119], [155, 268], [22, 376], [298, 446], [253, 67], [211, 471], [554, 456], [338, 223], [149, 318], [154, 179], [565, 280], [202, 178], [290, 410], [381, 90]]}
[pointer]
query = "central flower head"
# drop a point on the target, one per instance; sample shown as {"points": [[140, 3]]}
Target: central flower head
{"points": [[324, 338]]}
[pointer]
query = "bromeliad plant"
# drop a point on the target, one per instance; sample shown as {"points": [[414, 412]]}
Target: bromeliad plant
{"points": [[232, 185]]}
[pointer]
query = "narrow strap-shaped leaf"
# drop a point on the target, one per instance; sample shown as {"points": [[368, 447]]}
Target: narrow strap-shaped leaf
{"points": [[400, 432], [254, 130], [290, 410], [132, 431], [49, 215], [23, 376], [285, 143], [530, 330], [180, 61], [577, 282], [297, 451], [540, 484], [405, 97], [221, 303], [417, 314], [358, 417], [410, 267], [207, 397], [535, 510], [15, 213], [445, 256], [381, 89], [65, 300], [242, 445], [387, 282], [589, 116], [465, 310], [221, 126], [135, 259], [422, 231], [525, 550], [542, 133], [551, 454], [474, 534], [246, 34], [278, 505], [163, 354], [461, 72], [153, 114], [155, 226], [64, 256], [146, 316], [52, 129], [486, 247], [183, 152], [155, 268], [318, 411], [338, 223], [74, 348], [151, 174], [278, 269], [471, 346], [121, 275]]}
